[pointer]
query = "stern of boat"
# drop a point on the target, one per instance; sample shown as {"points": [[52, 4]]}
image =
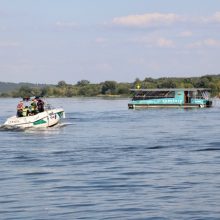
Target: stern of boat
{"points": [[54, 116], [209, 103]]}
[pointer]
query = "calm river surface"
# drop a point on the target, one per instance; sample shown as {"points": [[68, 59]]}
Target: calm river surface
{"points": [[108, 162]]}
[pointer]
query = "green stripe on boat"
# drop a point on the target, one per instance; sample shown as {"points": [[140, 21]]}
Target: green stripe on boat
{"points": [[60, 114], [41, 121]]}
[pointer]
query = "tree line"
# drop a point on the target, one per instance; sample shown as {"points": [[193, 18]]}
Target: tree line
{"points": [[113, 88]]}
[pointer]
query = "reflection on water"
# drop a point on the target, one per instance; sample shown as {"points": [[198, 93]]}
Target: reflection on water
{"points": [[107, 162]]}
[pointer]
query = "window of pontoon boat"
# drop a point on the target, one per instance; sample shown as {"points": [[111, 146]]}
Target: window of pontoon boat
{"points": [[154, 95], [193, 94], [205, 94], [161, 94], [138, 96], [171, 94], [199, 95]]}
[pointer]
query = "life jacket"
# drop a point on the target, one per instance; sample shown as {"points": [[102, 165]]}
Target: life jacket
{"points": [[25, 112], [33, 106]]}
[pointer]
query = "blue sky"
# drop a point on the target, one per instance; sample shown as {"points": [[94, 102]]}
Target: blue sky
{"points": [[45, 41]]}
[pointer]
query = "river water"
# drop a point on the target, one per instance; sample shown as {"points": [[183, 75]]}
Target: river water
{"points": [[107, 162]]}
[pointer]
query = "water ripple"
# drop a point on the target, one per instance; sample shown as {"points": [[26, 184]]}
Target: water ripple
{"points": [[107, 162]]}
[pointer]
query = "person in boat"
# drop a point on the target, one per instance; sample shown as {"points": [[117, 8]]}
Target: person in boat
{"points": [[20, 107], [33, 107], [40, 104], [25, 111], [26, 99]]}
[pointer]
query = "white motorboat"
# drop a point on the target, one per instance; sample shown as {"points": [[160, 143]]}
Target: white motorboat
{"points": [[48, 118]]}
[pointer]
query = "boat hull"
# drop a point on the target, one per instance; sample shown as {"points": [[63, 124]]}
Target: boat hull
{"points": [[188, 105], [45, 119]]}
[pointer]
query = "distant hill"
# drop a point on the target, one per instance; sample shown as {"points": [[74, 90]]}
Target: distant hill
{"points": [[8, 87]]}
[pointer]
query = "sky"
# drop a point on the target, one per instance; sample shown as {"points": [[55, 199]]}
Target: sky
{"points": [[46, 41]]}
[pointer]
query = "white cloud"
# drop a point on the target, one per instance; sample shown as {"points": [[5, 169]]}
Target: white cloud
{"points": [[215, 18], [147, 20], [155, 42], [186, 34], [205, 43], [163, 42], [164, 19]]}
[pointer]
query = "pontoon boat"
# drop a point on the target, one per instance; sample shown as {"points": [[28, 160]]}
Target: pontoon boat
{"points": [[185, 98]]}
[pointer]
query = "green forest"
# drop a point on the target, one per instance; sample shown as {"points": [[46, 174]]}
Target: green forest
{"points": [[108, 88]]}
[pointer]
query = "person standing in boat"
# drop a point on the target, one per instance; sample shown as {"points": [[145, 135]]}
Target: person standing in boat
{"points": [[20, 107], [40, 104]]}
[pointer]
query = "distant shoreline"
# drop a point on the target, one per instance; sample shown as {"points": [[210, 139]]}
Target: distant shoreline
{"points": [[84, 88]]}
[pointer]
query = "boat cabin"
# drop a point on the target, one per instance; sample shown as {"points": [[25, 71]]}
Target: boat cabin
{"points": [[187, 98]]}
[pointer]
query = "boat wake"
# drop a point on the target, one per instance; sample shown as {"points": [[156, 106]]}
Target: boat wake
{"points": [[10, 128], [32, 129]]}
